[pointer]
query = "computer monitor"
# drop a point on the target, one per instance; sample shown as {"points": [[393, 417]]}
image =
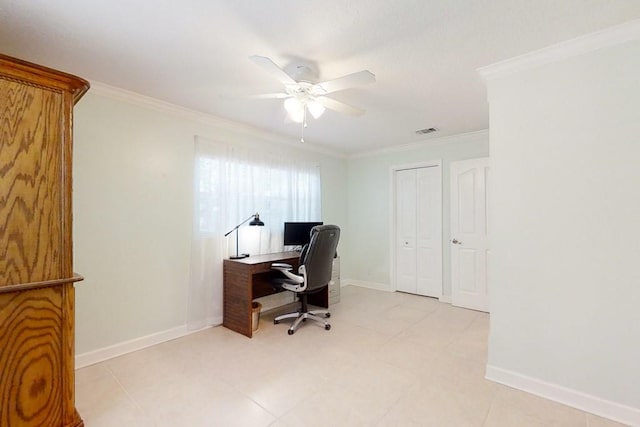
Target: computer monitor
{"points": [[298, 233]]}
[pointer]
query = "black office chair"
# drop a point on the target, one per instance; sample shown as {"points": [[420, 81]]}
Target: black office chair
{"points": [[314, 274]]}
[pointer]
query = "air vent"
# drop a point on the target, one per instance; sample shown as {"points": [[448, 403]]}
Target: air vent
{"points": [[425, 131]]}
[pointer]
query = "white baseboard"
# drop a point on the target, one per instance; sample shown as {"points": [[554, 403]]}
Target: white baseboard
{"points": [[105, 353], [365, 284], [585, 402], [445, 298]]}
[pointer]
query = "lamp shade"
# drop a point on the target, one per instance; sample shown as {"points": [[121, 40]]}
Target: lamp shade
{"points": [[256, 220], [295, 108], [293, 105], [315, 108]]}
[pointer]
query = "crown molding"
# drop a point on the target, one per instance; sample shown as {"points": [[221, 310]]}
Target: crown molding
{"points": [[431, 142], [580, 45], [105, 90]]}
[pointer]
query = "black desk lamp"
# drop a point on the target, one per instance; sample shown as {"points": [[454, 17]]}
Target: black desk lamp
{"points": [[255, 221]]}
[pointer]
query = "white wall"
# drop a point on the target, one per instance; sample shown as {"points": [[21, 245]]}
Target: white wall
{"points": [[368, 233], [133, 213], [565, 281]]}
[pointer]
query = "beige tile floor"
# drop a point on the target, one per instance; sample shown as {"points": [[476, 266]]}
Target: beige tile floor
{"points": [[390, 359]]}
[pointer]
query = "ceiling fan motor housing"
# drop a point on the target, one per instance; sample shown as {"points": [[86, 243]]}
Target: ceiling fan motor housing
{"points": [[303, 73]]}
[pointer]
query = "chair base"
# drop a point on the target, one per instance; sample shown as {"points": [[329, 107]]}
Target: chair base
{"points": [[302, 317]]}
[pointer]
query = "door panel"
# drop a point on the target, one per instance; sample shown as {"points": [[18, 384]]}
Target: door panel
{"points": [[469, 233], [406, 230], [429, 231], [468, 270], [467, 215]]}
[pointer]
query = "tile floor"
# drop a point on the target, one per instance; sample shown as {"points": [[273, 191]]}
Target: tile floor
{"points": [[390, 359]]}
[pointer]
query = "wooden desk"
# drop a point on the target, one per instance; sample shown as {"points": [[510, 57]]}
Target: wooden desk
{"points": [[249, 278]]}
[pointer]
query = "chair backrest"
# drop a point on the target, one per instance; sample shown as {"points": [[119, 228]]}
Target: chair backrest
{"points": [[318, 256]]}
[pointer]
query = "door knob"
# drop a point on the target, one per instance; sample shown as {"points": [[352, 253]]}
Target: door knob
{"points": [[456, 242]]}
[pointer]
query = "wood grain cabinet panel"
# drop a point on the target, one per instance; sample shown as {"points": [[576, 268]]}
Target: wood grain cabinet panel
{"points": [[30, 176], [36, 260], [31, 357]]}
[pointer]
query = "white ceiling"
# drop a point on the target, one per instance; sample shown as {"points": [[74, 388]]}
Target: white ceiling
{"points": [[194, 53]]}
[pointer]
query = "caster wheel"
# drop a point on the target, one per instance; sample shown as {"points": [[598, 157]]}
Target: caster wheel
{"points": [[304, 320], [327, 327], [327, 315], [275, 322], [290, 332]]}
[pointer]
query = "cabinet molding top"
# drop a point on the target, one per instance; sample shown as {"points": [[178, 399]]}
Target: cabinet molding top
{"points": [[43, 76]]}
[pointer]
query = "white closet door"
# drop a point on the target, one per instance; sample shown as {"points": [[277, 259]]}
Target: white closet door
{"points": [[419, 231], [469, 234], [406, 204], [429, 232]]}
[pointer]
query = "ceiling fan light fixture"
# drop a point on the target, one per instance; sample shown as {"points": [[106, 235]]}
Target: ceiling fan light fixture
{"points": [[315, 108], [295, 109], [293, 106], [297, 116]]}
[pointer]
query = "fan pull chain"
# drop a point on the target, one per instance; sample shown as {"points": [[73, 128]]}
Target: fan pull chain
{"points": [[304, 124]]}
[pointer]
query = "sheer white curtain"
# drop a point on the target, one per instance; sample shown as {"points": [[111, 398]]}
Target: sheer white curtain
{"points": [[230, 184]]}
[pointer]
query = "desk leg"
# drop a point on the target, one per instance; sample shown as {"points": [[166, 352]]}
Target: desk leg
{"points": [[237, 296]]}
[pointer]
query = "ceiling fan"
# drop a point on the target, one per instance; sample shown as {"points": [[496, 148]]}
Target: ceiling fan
{"points": [[302, 94]]}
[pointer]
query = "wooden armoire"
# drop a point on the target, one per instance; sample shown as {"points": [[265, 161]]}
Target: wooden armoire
{"points": [[36, 272]]}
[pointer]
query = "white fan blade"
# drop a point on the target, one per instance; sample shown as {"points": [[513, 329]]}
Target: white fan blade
{"points": [[338, 106], [269, 66], [360, 78], [270, 96]]}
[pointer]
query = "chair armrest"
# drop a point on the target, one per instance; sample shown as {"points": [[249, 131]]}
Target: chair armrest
{"points": [[286, 270], [281, 266]]}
